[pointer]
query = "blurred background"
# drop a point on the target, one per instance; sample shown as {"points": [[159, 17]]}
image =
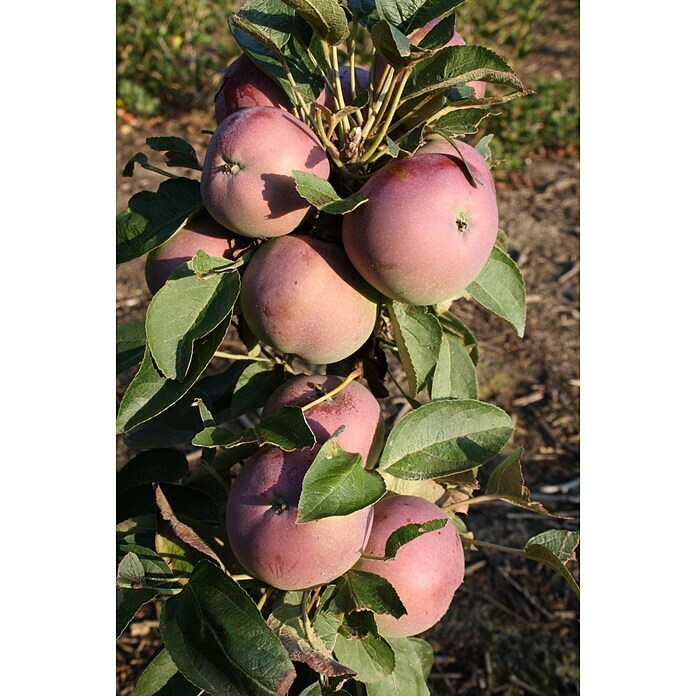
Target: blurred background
{"points": [[513, 627]]}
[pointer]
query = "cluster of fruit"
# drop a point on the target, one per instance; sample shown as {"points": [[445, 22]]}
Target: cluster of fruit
{"points": [[423, 235]]}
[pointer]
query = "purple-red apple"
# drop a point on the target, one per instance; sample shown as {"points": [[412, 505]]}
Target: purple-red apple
{"points": [[264, 534], [247, 183], [200, 233], [244, 85], [353, 407], [471, 156], [427, 228], [302, 296], [425, 573]]}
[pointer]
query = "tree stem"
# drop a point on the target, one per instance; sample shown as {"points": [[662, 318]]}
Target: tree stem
{"points": [[238, 356], [471, 501], [394, 100], [494, 547]]}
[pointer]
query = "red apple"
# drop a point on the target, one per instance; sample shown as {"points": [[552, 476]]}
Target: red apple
{"points": [[247, 182], [425, 573], [427, 228], [353, 407], [265, 536]]}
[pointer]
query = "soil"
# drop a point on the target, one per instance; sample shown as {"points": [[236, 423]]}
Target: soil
{"points": [[513, 626]]}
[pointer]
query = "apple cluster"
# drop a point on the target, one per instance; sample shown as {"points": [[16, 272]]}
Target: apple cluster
{"points": [[425, 232], [268, 541]]}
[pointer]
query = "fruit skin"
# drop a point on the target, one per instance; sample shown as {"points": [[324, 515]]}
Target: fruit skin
{"points": [[354, 406], [265, 537], [200, 233], [425, 573], [471, 155], [244, 85], [302, 296], [247, 183], [362, 81], [425, 232]]}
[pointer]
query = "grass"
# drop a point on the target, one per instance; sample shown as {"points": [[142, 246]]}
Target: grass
{"points": [[548, 120]]}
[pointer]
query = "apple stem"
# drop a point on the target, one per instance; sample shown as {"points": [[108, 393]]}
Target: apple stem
{"points": [[357, 372]]}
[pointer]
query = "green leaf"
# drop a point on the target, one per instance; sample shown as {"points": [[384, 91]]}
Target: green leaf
{"points": [[410, 15], [130, 345], [372, 658], [418, 337], [393, 148], [554, 549], [171, 527], [141, 568], [337, 484], [431, 9], [326, 17], [445, 437], [359, 590], [178, 152], [152, 218], [461, 122], [202, 626], [287, 623], [428, 490], [152, 466], [407, 678], [455, 373], [186, 309], [393, 45], [136, 530], [138, 158], [328, 617], [131, 573], [413, 139], [191, 504], [175, 426], [128, 604], [256, 382], [483, 147], [162, 678], [507, 483], [441, 34], [287, 429], [425, 654], [455, 328], [177, 555], [409, 532], [269, 22], [500, 287], [321, 194], [454, 64], [150, 393], [365, 11]]}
